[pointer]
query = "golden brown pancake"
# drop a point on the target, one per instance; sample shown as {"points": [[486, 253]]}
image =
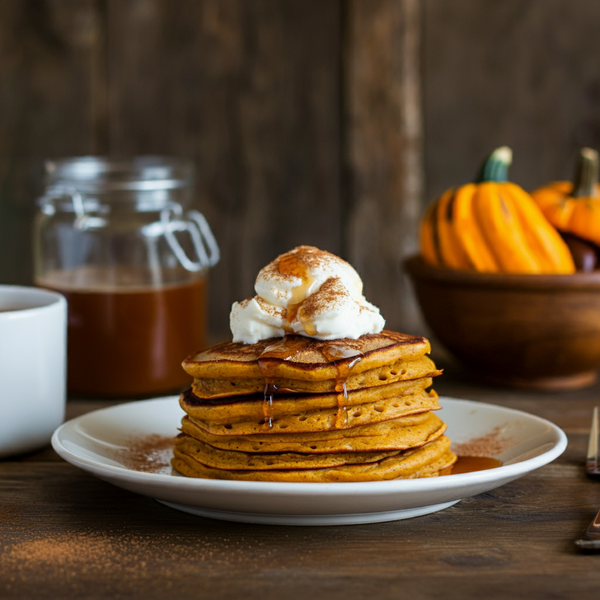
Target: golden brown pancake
{"points": [[426, 461], [386, 374], [398, 434], [246, 461], [301, 364], [235, 409], [332, 418]]}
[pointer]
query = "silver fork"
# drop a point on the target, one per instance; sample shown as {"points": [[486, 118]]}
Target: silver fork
{"points": [[591, 538]]}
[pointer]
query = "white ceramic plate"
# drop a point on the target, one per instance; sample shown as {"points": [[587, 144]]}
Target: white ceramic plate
{"points": [[100, 443]]}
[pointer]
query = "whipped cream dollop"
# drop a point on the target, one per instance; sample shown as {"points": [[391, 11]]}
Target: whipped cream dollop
{"points": [[309, 292]]}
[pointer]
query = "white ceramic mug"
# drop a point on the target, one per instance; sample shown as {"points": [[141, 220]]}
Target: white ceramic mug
{"points": [[33, 343]]}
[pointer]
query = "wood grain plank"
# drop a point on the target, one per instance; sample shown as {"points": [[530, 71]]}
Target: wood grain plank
{"points": [[250, 91], [383, 131], [48, 63]]}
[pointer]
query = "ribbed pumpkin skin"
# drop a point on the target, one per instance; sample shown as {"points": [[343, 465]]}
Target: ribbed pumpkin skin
{"points": [[579, 216], [492, 226]]}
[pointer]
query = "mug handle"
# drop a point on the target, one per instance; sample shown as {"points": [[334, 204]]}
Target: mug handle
{"points": [[204, 242]]}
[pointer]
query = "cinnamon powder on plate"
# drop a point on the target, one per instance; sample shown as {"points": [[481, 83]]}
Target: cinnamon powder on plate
{"points": [[491, 444], [149, 454]]}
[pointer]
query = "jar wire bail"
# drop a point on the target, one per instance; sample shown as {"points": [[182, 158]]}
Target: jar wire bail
{"points": [[204, 242]]}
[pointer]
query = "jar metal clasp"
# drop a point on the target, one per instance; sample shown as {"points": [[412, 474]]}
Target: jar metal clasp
{"points": [[83, 220], [202, 237]]}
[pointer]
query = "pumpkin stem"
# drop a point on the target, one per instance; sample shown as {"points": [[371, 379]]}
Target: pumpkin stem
{"points": [[495, 168], [586, 174]]}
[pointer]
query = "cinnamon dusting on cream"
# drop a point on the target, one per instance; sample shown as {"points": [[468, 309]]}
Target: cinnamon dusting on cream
{"points": [[309, 292]]}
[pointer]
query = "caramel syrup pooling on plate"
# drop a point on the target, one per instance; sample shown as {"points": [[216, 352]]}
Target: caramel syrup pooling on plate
{"points": [[469, 464]]}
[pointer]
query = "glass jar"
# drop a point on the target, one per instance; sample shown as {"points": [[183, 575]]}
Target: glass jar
{"points": [[114, 237]]}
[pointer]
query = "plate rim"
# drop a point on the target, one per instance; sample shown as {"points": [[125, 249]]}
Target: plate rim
{"points": [[512, 471]]}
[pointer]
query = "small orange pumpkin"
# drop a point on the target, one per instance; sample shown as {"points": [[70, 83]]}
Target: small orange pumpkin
{"points": [[492, 225], [575, 207]]}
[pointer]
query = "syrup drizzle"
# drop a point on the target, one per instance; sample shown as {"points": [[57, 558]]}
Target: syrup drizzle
{"points": [[288, 347], [283, 349], [267, 405], [336, 355], [341, 418], [293, 265]]}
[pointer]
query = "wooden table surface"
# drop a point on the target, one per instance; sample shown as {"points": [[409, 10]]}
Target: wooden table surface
{"points": [[66, 534]]}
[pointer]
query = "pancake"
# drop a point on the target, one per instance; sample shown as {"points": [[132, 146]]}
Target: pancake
{"points": [[332, 418], [235, 409], [245, 461], [301, 364], [386, 374], [398, 434], [426, 461]]}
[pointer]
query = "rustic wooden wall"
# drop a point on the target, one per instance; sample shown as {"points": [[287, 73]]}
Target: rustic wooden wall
{"points": [[48, 107], [251, 91], [310, 121], [382, 131]]}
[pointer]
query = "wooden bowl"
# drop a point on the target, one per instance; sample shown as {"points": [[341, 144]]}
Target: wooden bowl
{"points": [[534, 331]]}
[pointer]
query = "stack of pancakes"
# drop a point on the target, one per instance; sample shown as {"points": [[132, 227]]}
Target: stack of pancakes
{"points": [[304, 410]]}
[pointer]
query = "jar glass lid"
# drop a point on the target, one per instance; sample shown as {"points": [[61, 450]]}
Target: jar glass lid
{"points": [[103, 174]]}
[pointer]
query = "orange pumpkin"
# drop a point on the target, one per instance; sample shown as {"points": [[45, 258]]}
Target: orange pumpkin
{"points": [[574, 207], [492, 225]]}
